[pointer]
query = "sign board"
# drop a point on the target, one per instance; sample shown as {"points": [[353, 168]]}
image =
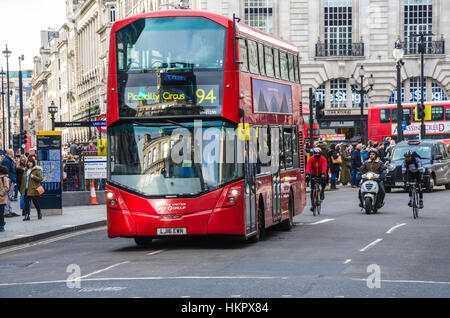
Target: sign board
{"points": [[332, 137], [101, 147], [430, 128], [101, 127], [95, 167], [49, 159]]}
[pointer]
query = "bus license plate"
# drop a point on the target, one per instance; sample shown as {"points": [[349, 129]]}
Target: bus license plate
{"points": [[172, 231], [399, 184]]}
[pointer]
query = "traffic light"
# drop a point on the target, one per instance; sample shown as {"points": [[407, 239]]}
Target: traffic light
{"points": [[16, 141], [23, 139], [420, 111], [320, 113]]}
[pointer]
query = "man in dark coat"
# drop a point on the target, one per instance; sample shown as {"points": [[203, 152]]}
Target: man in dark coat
{"points": [[356, 164]]}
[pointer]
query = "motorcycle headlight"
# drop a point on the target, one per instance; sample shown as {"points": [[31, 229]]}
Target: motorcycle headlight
{"points": [[370, 176]]}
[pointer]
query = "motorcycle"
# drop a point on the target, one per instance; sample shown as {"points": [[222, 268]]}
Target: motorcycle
{"points": [[370, 192]]}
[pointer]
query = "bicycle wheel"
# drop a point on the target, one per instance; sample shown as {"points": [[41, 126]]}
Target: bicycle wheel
{"points": [[415, 203], [314, 201]]}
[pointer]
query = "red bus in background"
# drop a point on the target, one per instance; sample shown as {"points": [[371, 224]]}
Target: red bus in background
{"points": [[382, 121], [306, 126], [177, 79]]}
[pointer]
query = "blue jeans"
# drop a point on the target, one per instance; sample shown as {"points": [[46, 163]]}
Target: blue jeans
{"points": [[354, 176]]}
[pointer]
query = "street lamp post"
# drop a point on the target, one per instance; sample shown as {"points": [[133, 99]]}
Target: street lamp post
{"points": [[361, 91], [398, 55], [7, 54], [3, 110], [21, 58], [52, 109]]}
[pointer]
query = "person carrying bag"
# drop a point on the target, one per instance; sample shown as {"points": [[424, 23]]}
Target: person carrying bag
{"points": [[31, 187]]}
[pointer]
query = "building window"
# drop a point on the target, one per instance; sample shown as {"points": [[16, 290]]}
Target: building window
{"points": [[258, 14], [112, 14], [418, 19], [320, 94], [414, 90], [393, 98], [338, 27], [437, 92], [338, 93]]}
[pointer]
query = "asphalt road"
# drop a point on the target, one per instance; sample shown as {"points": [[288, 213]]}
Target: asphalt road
{"points": [[341, 253]]}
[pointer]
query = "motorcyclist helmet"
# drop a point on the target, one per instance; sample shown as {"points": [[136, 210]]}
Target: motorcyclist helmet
{"points": [[373, 150]]}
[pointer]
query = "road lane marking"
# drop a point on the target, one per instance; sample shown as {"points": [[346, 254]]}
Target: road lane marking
{"points": [[59, 238], [157, 252], [405, 281], [347, 261], [392, 229], [371, 245], [101, 270], [322, 221]]}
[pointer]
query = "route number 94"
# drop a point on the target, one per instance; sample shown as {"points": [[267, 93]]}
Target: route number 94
{"points": [[203, 96]]}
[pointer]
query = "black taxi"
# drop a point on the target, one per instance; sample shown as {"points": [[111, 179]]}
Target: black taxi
{"points": [[435, 160]]}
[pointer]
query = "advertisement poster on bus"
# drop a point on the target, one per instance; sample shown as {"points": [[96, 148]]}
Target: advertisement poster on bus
{"points": [[430, 128], [270, 97]]}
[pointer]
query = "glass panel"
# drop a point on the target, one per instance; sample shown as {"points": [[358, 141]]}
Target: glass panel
{"points": [[284, 66], [423, 151], [259, 14], [437, 113], [262, 67], [385, 116], [253, 57], [243, 55], [277, 63], [269, 61], [174, 170], [447, 113], [288, 155], [291, 68]]}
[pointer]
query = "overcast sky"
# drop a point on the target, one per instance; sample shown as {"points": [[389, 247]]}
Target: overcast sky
{"points": [[20, 24]]}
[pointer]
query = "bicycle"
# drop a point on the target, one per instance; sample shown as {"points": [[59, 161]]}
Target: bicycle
{"points": [[415, 198], [315, 201]]}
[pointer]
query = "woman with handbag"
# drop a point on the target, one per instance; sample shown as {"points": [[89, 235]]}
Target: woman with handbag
{"points": [[31, 187]]}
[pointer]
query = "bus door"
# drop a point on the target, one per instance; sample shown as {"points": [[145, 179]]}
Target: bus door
{"points": [[250, 187], [275, 170]]}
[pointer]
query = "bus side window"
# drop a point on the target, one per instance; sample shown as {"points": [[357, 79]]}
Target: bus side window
{"points": [[296, 70], [447, 113], [253, 57], [277, 63], [243, 54], [437, 113], [385, 116], [268, 52], [284, 66], [264, 157], [291, 68], [262, 66], [295, 142], [288, 147]]}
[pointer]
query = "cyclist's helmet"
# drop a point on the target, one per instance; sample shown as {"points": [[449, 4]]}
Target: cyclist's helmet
{"points": [[409, 154], [317, 151]]}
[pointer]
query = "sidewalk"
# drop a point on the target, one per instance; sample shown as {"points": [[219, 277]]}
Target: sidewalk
{"points": [[73, 219]]}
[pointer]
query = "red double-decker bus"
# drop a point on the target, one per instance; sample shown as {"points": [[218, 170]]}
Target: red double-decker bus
{"points": [[204, 128], [383, 121], [306, 126]]}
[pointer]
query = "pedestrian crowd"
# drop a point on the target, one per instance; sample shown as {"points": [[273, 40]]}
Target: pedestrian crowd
{"points": [[19, 173], [344, 159]]}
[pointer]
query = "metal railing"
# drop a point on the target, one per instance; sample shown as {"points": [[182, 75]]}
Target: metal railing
{"points": [[431, 47], [326, 49]]}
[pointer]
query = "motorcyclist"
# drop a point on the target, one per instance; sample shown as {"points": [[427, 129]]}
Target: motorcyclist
{"points": [[374, 165], [412, 170], [317, 166]]}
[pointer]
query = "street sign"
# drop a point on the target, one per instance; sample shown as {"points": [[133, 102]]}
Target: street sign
{"points": [[403, 125], [102, 128]]}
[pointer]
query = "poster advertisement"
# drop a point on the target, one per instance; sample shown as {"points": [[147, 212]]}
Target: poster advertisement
{"points": [[270, 97]]}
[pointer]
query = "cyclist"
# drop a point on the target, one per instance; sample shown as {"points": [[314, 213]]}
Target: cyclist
{"points": [[375, 165], [412, 170], [317, 166]]}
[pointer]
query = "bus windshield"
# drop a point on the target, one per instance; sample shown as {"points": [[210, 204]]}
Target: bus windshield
{"points": [[160, 159], [170, 66]]}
